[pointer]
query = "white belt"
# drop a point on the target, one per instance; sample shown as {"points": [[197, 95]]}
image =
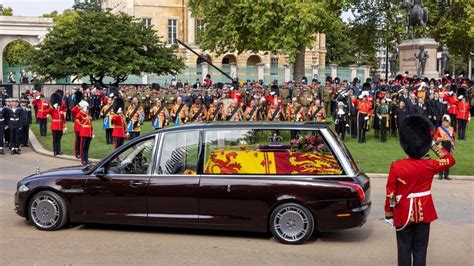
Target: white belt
{"points": [[411, 196]]}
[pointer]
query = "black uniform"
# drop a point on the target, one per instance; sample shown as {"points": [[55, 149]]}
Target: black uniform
{"points": [[2, 125], [352, 110], [342, 119], [14, 123], [25, 119]]}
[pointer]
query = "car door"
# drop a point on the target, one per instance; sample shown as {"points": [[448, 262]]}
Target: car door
{"points": [[118, 191], [173, 190]]}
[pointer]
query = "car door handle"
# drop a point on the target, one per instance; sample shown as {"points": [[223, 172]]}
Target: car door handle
{"points": [[136, 184], [228, 188]]}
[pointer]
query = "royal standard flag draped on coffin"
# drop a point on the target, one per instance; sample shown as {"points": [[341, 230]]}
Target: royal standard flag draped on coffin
{"points": [[262, 162]]}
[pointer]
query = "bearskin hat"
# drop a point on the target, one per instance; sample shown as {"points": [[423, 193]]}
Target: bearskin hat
{"points": [[60, 92], [56, 99], [118, 103], [416, 136]]}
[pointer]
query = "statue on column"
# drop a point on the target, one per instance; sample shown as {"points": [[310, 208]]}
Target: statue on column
{"points": [[422, 59], [393, 62], [444, 60]]}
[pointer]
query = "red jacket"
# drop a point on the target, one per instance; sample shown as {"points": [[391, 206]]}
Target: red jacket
{"points": [[43, 108], [462, 110], [363, 106], [74, 111], [118, 121], [86, 124], [414, 176], [452, 104], [58, 119]]}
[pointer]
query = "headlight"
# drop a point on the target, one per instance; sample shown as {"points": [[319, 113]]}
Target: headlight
{"points": [[23, 188]]}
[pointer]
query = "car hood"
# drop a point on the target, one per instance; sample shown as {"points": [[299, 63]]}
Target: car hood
{"points": [[62, 171]]}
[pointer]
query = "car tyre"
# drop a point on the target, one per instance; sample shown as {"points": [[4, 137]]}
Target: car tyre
{"points": [[48, 211], [291, 223]]}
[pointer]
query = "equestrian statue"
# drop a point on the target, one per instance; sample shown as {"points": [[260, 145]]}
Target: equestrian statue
{"points": [[417, 15]]}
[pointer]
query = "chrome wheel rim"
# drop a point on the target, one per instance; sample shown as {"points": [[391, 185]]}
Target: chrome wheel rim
{"points": [[291, 224], [45, 211]]}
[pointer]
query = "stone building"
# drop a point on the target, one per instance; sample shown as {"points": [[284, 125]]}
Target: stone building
{"points": [[173, 20]]}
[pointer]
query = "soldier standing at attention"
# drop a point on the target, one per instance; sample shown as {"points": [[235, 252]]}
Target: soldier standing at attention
{"points": [[409, 206], [106, 113], [179, 112], [41, 115], [14, 114], [135, 117], [462, 116], [364, 107], [26, 119], [58, 123], [77, 127], [86, 133], [383, 114], [118, 121], [159, 114], [2, 123]]}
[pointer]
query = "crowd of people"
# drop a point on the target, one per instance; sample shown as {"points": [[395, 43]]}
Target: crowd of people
{"points": [[354, 107]]}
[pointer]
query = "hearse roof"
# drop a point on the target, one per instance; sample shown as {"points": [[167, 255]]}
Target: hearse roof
{"points": [[237, 125]]}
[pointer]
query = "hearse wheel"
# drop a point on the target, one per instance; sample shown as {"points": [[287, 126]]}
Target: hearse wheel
{"points": [[291, 223], [47, 211]]}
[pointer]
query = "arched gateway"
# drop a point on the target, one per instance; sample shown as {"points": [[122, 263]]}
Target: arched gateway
{"points": [[29, 29]]}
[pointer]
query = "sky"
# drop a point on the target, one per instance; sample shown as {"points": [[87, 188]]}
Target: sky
{"points": [[36, 7]]}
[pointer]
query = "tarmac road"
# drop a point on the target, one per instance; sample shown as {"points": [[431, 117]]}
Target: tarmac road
{"points": [[451, 239]]}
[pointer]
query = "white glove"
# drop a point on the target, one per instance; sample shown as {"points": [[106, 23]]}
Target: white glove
{"points": [[389, 222], [347, 125], [93, 136], [366, 118]]}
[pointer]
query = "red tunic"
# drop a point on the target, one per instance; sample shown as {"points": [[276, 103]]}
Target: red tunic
{"points": [[414, 176], [463, 110], [118, 121], [363, 106], [43, 108], [452, 104], [75, 110], [58, 119], [86, 125]]}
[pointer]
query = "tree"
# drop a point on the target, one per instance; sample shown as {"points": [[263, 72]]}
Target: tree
{"points": [[6, 11], [286, 27], [15, 53], [97, 44]]}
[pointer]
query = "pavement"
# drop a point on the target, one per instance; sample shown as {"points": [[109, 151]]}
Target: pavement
{"points": [[451, 239]]}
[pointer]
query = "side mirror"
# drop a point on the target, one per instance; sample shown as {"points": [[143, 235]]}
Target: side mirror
{"points": [[101, 173]]}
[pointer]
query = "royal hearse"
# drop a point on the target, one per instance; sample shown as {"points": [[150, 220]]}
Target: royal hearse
{"points": [[289, 178]]}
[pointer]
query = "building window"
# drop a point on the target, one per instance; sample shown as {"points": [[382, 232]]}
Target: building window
{"points": [[147, 22], [199, 27], [172, 31], [274, 66]]}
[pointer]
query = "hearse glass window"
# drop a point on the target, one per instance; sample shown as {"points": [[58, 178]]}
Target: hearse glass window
{"points": [[179, 153], [133, 161], [277, 152]]}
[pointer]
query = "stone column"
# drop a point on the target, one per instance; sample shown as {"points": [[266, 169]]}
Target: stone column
{"points": [[233, 70], [333, 70], [1, 66], [191, 29], [469, 71], [353, 71], [144, 78], [260, 71], [205, 70], [315, 71], [287, 72], [366, 72]]}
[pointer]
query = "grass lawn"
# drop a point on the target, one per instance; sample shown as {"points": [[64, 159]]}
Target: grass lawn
{"points": [[372, 156]]}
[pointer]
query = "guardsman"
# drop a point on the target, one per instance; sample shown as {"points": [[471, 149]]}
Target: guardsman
{"points": [[58, 122], [26, 119], [197, 111], [2, 123], [445, 136], [77, 126], [234, 112], [364, 107], [452, 101], [251, 112], [384, 119], [316, 112], [159, 114], [119, 123], [409, 207], [14, 124], [215, 111], [135, 117], [462, 116], [86, 133], [106, 114], [179, 112], [42, 114]]}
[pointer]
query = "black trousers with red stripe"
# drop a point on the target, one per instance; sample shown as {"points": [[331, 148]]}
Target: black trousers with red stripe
{"points": [[412, 244], [85, 144], [57, 135], [118, 142]]}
